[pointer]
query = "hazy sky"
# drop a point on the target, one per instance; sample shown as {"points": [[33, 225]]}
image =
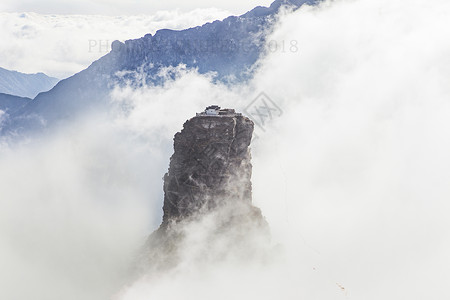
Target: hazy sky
{"points": [[61, 38], [122, 7], [62, 45]]}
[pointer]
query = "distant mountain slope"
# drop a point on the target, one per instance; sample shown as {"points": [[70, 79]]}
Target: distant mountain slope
{"points": [[228, 48], [25, 85], [10, 104]]}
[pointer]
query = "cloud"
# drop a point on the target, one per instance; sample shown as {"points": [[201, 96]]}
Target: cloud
{"points": [[61, 45], [352, 177], [120, 7]]}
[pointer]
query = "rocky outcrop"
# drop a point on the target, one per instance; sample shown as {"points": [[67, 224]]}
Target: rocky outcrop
{"points": [[211, 165], [208, 193]]}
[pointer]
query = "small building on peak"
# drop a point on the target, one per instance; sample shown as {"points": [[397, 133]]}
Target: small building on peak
{"points": [[212, 110]]}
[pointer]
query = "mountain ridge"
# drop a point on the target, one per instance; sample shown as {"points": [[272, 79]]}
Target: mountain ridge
{"points": [[25, 85], [11, 103], [229, 48]]}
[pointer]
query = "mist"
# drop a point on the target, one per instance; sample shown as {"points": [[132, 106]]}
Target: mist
{"points": [[121, 7], [61, 45], [352, 175]]}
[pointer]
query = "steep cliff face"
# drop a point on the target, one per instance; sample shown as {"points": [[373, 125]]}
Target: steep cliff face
{"points": [[210, 166], [208, 193]]}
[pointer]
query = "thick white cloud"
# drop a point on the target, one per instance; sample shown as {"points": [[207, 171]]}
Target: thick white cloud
{"points": [[353, 177], [121, 7], [61, 45]]}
